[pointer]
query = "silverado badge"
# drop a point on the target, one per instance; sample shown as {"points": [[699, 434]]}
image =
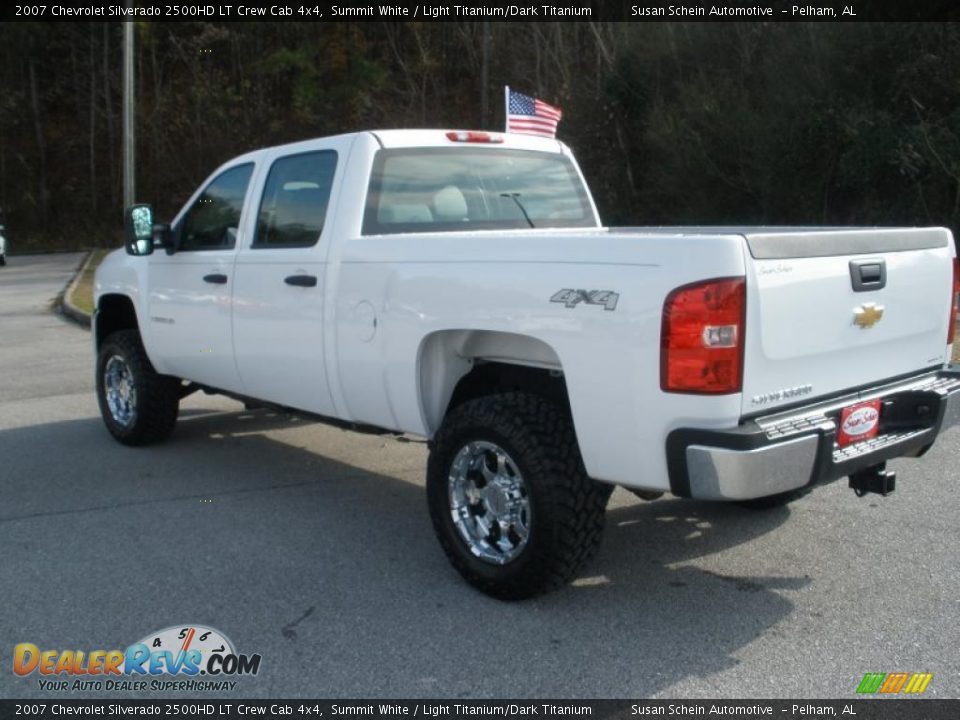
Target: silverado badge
{"points": [[867, 315]]}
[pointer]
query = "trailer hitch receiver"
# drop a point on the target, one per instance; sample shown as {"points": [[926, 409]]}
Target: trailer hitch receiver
{"points": [[876, 479]]}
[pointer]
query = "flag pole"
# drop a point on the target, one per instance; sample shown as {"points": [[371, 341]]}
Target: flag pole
{"points": [[506, 108]]}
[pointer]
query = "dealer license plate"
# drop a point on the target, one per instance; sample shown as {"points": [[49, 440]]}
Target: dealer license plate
{"points": [[858, 423]]}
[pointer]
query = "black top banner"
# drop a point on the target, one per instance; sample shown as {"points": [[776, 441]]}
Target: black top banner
{"points": [[874, 709], [487, 10]]}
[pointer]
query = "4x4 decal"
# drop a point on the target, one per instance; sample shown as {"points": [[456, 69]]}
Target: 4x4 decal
{"points": [[570, 298]]}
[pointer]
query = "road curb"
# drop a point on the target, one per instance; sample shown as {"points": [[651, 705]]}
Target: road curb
{"points": [[63, 304]]}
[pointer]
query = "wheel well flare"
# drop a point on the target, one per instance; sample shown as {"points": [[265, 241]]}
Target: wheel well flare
{"points": [[114, 312], [459, 365]]}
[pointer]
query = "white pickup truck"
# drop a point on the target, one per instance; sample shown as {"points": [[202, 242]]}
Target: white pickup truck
{"points": [[460, 286]]}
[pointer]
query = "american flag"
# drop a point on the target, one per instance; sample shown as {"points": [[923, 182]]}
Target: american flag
{"points": [[530, 116]]}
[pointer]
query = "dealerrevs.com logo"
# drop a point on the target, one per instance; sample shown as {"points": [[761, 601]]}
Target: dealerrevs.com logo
{"points": [[180, 657]]}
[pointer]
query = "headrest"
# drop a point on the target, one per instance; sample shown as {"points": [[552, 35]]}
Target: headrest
{"points": [[449, 204]]}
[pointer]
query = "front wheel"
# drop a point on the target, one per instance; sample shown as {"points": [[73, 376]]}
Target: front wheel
{"points": [[3, 260], [139, 406], [510, 500]]}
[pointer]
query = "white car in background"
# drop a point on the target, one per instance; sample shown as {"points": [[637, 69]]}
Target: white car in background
{"points": [[3, 247]]}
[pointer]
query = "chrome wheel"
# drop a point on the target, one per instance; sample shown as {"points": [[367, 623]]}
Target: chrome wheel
{"points": [[120, 391], [489, 502]]}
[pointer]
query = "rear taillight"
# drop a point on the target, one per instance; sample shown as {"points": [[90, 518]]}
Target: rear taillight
{"points": [[701, 345], [954, 301]]}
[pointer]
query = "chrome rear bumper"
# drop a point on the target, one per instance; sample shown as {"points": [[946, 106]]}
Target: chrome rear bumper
{"points": [[791, 450]]}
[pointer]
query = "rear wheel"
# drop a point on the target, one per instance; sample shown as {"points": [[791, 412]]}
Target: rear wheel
{"points": [[3, 260], [138, 405], [510, 500]]}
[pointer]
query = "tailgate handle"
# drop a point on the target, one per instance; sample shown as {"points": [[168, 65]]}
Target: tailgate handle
{"points": [[867, 275]]}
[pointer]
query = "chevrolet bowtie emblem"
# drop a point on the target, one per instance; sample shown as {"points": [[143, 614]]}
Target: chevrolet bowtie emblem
{"points": [[867, 315]]}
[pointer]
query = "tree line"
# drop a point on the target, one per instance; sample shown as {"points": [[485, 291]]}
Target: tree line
{"points": [[673, 123]]}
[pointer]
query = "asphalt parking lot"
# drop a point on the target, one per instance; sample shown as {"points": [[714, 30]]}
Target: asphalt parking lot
{"points": [[312, 546]]}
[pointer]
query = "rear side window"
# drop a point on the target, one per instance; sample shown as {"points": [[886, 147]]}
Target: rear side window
{"points": [[450, 189], [295, 198], [212, 222]]}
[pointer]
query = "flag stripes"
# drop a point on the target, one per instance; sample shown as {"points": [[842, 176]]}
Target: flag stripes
{"points": [[530, 116]]}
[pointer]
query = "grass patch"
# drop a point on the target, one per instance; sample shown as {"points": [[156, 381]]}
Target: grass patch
{"points": [[82, 295]]}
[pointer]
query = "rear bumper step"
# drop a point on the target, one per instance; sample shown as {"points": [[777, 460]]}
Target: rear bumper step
{"points": [[788, 451]]}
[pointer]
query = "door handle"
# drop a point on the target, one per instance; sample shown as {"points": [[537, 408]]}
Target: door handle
{"points": [[215, 278], [301, 280]]}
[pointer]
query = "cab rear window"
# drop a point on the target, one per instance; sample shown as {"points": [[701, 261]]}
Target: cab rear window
{"points": [[456, 189]]}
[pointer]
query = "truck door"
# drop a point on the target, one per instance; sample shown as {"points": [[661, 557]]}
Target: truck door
{"points": [[189, 319], [280, 277]]}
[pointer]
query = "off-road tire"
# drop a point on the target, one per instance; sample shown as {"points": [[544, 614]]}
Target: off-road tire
{"points": [[157, 396], [567, 507]]}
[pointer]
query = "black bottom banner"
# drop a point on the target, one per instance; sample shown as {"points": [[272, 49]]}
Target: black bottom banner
{"points": [[879, 709]]}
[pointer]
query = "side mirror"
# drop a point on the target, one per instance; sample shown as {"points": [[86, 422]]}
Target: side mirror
{"points": [[138, 230]]}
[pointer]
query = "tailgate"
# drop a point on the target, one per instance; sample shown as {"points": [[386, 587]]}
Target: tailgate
{"points": [[833, 310]]}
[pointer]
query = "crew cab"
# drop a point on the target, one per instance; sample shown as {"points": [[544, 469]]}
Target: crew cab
{"points": [[459, 285]]}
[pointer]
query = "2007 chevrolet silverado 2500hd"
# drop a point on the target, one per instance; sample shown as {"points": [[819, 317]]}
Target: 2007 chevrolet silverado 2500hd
{"points": [[459, 286]]}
